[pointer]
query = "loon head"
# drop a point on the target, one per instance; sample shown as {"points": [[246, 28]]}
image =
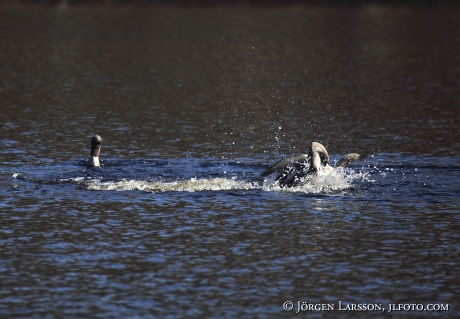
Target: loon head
{"points": [[96, 142], [350, 158]]}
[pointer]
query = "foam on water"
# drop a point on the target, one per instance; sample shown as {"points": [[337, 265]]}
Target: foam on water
{"points": [[192, 185], [338, 180]]}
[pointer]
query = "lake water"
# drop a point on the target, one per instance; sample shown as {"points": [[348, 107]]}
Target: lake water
{"points": [[192, 105]]}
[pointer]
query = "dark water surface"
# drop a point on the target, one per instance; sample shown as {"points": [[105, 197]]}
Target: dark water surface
{"points": [[192, 105]]}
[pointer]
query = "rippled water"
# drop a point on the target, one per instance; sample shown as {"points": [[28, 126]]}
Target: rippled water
{"points": [[192, 105]]}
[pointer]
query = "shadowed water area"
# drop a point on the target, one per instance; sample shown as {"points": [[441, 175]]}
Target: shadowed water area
{"points": [[192, 105]]}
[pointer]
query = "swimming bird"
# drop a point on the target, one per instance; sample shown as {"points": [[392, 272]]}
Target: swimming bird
{"points": [[96, 142], [316, 162]]}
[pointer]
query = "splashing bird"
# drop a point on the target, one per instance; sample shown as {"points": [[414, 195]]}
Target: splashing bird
{"points": [[316, 162]]}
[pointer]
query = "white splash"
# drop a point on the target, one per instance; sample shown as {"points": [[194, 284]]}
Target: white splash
{"points": [[337, 180], [192, 185]]}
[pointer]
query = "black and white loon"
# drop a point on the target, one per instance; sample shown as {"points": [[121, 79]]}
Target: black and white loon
{"points": [[96, 142], [316, 162]]}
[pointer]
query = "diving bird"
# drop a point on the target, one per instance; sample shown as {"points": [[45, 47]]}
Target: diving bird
{"points": [[316, 162], [96, 142]]}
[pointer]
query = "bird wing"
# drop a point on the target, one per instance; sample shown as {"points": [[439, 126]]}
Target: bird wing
{"points": [[282, 164]]}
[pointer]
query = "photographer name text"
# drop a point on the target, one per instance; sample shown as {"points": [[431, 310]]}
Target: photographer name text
{"points": [[303, 306]]}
